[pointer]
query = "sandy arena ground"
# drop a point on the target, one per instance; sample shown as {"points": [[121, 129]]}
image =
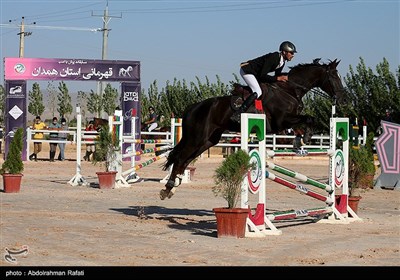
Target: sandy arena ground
{"points": [[63, 225]]}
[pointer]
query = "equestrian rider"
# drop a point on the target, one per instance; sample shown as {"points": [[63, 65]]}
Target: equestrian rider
{"points": [[256, 71], [152, 122]]}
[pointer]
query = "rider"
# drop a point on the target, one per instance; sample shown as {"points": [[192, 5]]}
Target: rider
{"points": [[256, 71], [152, 122]]}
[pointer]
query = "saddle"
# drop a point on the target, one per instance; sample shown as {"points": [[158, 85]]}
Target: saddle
{"points": [[241, 93]]}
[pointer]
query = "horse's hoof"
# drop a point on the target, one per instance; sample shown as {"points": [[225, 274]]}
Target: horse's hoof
{"points": [[163, 194], [171, 192]]}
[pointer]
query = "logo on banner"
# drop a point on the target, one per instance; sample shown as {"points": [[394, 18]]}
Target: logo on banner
{"points": [[19, 68], [339, 168], [16, 89], [254, 175], [131, 96], [15, 112], [125, 72]]}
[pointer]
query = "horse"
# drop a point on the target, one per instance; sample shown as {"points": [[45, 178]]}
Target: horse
{"points": [[99, 123], [204, 122]]}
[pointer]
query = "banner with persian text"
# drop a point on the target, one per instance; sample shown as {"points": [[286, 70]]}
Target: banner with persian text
{"points": [[18, 70], [71, 69]]}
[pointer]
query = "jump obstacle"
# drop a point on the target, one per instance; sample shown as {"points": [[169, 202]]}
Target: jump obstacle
{"points": [[128, 177], [125, 178], [336, 210]]}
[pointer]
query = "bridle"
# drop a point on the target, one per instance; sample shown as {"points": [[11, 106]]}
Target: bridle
{"points": [[319, 92]]}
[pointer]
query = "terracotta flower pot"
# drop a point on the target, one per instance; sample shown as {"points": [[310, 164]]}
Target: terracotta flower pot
{"points": [[353, 203], [12, 182], [231, 222], [107, 179]]}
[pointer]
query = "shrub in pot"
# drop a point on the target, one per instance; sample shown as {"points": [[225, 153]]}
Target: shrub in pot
{"points": [[107, 146], [229, 176], [13, 166]]}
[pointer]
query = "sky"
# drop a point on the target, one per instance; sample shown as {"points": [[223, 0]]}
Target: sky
{"points": [[202, 39]]}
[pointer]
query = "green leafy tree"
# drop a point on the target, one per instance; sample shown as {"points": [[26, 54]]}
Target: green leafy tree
{"points": [[82, 100], [94, 104], [372, 93], [36, 106], [109, 99], [64, 101], [51, 98]]}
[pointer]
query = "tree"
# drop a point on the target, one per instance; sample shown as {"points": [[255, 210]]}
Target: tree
{"points": [[36, 106], [94, 104], [51, 98], [109, 99], [82, 100], [64, 101], [372, 93]]}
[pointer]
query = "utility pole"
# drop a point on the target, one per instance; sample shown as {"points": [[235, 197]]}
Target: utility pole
{"points": [[106, 20], [22, 35]]}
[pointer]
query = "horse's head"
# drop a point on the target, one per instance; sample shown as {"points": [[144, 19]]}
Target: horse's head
{"points": [[331, 83]]}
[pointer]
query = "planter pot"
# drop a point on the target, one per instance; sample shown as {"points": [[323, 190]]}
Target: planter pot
{"points": [[192, 170], [107, 179], [231, 222], [353, 203], [12, 182]]}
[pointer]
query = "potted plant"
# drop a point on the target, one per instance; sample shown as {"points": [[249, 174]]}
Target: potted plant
{"points": [[13, 166], [361, 170], [229, 176], [107, 146]]}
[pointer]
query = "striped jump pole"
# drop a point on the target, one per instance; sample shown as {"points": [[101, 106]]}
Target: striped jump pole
{"points": [[298, 176], [328, 200], [144, 164], [308, 152], [294, 214], [146, 151], [147, 141]]}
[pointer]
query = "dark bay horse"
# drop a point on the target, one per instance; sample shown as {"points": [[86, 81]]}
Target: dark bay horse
{"points": [[203, 123], [99, 123]]}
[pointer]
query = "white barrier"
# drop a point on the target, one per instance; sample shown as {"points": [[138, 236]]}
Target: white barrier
{"points": [[127, 177], [259, 224]]}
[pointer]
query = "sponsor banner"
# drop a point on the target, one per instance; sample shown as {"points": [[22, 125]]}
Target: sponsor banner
{"points": [[71, 69], [16, 112], [130, 93]]}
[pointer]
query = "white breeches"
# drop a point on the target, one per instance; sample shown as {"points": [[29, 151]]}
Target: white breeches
{"points": [[252, 82], [152, 126]]}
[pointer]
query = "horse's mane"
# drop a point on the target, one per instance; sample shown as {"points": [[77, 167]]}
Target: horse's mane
{"points": [[315, 63]]}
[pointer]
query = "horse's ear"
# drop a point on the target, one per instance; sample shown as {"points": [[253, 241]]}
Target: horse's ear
{"points": [[334, 63], [316, 60]]}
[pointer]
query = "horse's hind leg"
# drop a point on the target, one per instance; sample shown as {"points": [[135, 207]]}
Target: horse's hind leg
{"points": [[186, 156]]}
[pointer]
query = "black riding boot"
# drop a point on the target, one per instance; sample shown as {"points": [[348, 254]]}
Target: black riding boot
{"points": [[246, 104]]}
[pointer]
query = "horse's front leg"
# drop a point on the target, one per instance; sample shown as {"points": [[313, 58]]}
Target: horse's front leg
{"points": [[174, 181]]}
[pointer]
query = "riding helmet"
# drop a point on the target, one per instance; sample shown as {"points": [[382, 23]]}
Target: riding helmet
{"points": [[287, 46]]}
